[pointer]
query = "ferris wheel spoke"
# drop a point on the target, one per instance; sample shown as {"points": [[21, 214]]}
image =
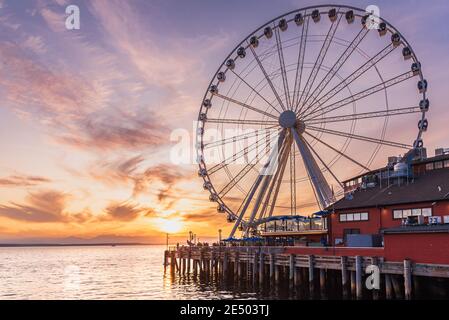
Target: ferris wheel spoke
{"points": [[352, 77], [365, 115], [244, 105], [336, 67], [253, 133], [241, 174], [361, 138], [243, 122], [234, 157], [338, 151], [242, 153], [254, 90], [359, 95], [324, 163], [270, 83], [283, 70], [300, 63], [318, 62]]}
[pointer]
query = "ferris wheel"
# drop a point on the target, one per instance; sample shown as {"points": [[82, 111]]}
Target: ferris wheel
{"points": [[303, 103]]}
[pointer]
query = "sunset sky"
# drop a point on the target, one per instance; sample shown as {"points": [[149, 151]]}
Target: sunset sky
{"points": [[86, 115]]}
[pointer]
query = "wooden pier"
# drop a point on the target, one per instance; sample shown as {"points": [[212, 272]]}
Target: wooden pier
{"points": [[316, 274]]}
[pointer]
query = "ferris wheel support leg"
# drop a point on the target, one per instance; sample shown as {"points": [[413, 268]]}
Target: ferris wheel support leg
{"points": [[268, 177], [265, 172], [275, 184], [319, 183]]}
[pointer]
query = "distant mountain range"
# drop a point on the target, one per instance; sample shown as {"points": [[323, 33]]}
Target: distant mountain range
{"points": [[98, 240]]}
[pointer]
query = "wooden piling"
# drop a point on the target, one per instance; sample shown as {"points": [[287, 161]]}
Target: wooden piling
{"points": [[277, 273], [344, 276], [311, 276], [172, 262], [240, 270], [189, 257], [291, 268], [195, 267], [358, 277], [236, 264], [353, 285], [375, 290], [323, 283], [166, 253], [397, 287], [298, 277], [184, 266], [254, 269], [388, 288], [261, 268], [225, 264], [407, 279], [272, 265]]}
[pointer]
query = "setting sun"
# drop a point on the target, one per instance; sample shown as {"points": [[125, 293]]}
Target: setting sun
{"points": [[169, 225]]}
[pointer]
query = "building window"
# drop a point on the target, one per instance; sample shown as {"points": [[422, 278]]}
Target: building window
{"points": [[397, 214], [358, 216], [429, 166], [349, 231], [446, 163], [401, 214], [438, 165]]}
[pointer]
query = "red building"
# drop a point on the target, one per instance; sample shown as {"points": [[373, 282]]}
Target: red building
{"points": [[402, 208]]}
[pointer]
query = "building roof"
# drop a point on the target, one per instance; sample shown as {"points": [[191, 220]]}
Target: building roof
{"points": [[431, 186], [439, 228], [432, 159]]}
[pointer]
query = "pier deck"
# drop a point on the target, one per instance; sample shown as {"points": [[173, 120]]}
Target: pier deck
{"points": [[299, 267]]}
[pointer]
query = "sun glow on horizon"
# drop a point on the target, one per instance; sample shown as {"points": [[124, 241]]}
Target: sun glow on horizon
{"points": [[169, 225]]}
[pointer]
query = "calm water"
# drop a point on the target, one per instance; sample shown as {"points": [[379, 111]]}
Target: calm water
{"points": [[121, 272]]}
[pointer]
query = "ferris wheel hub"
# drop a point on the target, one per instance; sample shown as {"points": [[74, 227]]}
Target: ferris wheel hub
{"points": [[287, 119]]}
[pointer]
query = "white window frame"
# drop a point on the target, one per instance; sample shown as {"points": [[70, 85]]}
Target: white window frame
{"points": [[353, 216], [397, 214]]}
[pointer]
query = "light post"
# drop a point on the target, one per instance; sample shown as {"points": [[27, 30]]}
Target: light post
{"points": [[219, 236], [167, 240]]}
